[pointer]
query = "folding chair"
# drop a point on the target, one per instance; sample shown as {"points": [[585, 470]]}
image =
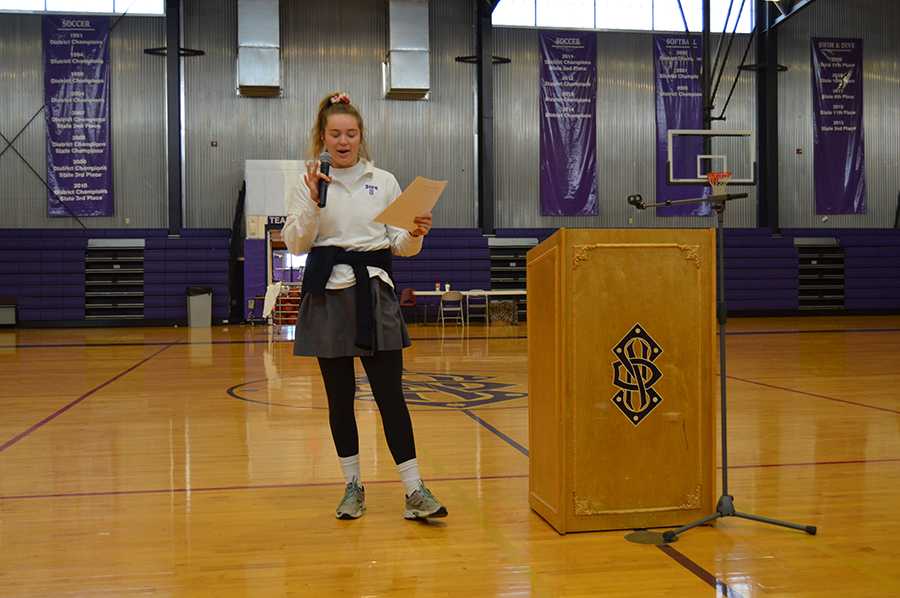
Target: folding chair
{"points": [[477, 299], [451, 307]]}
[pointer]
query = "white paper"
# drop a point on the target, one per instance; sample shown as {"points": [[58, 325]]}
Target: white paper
{"points": [[272, 292], [256, 227], [419, 198]]}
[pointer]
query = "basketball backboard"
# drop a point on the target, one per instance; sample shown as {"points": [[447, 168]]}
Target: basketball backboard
{"points": [[689, 163]]}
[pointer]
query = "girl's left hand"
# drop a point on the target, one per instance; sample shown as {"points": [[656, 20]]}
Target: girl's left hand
{"points": [[423, 225]]}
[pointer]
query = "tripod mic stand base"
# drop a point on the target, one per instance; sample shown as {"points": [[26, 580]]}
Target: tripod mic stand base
{"points": [[725, 508]]}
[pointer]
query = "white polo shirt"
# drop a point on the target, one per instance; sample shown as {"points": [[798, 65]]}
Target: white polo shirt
{"points": [[355, 196]]}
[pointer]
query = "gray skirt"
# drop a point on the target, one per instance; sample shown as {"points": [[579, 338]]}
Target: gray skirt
{"points": [[326, 324]]}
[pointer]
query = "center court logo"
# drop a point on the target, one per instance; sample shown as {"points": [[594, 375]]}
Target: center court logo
{"points": [[454, 391], [423, 389]]}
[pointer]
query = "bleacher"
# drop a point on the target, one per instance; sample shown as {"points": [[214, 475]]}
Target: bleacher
{"points": [[43, 270], [459, 256]]}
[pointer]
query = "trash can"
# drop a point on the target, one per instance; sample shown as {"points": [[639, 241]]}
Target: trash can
{"points": [[7, 311], [504, 312], [199, 307]]}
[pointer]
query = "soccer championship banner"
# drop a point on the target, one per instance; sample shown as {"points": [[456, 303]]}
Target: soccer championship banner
{"points": [[76, 92], [568, 103], [839, 160], [677, 66]]}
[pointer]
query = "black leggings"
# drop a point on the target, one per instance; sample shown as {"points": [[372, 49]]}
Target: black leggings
{"points": [[385, 371]]}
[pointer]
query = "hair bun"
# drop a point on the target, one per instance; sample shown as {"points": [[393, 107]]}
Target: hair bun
{"points": [[340, 98]]}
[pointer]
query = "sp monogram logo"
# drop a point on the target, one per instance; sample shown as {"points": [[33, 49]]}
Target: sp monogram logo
{"points": [[635, 374]]}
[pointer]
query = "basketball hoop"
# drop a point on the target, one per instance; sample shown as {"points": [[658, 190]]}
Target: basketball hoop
{"points": [[718, 181]]}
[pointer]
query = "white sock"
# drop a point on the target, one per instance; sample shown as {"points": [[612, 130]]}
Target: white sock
{"points": [[409, 474], [350, 465]]}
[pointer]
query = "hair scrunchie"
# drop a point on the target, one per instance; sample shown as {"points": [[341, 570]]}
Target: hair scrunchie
{"points": [[340, 98]]}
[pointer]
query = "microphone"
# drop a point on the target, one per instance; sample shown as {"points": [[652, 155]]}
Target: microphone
{"points": [[324, 168]]}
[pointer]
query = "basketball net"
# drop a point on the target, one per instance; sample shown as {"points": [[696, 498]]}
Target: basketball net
{"points": [[718, 181]]}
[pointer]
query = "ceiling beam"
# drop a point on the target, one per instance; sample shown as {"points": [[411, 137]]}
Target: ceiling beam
{"points": [[788, 9]]}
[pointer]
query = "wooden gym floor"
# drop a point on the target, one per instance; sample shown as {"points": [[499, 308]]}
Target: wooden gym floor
{"points": [[180, 462]]}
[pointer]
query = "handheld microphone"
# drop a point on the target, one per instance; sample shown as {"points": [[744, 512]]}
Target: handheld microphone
{"points": [[324, 168]]}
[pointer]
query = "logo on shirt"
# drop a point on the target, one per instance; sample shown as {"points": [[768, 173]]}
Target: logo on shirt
{"points": [[371, 188]]}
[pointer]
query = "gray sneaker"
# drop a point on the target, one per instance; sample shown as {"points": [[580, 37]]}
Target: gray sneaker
{"points": [[353, 505], [422, 504]]}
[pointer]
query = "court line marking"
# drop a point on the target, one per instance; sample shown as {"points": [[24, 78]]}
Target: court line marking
{"points": [[250, 487], [468, 338], [524, 450], [516, 337], [137, 344], [673, 553], [798, 331], [65, 408], [218, 342], [814, 395], [413, 407], [717, 584], [720, 586], [335, 484], [808, 463], [678, 557], [496, 432]]}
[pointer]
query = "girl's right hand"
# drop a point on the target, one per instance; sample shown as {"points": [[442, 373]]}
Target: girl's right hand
{"points": [[312, 178]]}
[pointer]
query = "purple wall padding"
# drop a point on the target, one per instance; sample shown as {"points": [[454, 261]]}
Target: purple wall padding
{"points": [[761, 271], [456, 255], [44, 275], [254, 276], [43, 269], [200, 258]]}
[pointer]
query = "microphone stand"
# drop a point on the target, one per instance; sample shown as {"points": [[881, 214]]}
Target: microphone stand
{"points": [[725, 506]]}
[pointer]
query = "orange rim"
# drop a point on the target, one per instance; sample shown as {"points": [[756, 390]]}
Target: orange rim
{"points": [[715, 178]]}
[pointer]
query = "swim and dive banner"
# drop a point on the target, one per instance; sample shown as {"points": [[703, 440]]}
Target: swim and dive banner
{"points": [[677, 67], [76, 93], [839, 160], [568, 104]]}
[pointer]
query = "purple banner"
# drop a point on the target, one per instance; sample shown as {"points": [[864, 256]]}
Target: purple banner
{"points": [[568, 123], [76, 90], [839, 159], [677, 65]]}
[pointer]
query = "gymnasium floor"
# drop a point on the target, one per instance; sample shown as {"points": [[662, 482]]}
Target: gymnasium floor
{"points": [[185, 462]]}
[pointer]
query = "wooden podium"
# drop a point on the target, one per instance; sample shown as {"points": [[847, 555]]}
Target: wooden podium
{"points": [[621, 329]]}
